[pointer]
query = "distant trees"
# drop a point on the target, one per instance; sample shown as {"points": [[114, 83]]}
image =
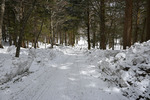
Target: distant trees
{"points": [[96, 15], [104, 23]]}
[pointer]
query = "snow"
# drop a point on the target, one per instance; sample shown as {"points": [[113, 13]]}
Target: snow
{"points": [[11, 66], [128, 70], [75, 73], [82, 43]]}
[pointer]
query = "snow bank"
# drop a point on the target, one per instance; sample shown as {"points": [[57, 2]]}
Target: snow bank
{"points": [[11, 66], [42, 57], [96, 55], [128, 70], [14, 66], [29, 60]]}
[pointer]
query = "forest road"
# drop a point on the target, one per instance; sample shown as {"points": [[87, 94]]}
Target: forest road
{"points": [[70, 77]]}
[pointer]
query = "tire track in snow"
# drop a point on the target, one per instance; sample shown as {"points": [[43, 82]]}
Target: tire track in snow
{"points": [[59, 76], [32, 88]]}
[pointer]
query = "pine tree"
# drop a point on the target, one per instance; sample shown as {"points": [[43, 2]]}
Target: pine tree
{"points": [[127, 24], [23, 24], [1, 20], [148, 21], [102, 25]]}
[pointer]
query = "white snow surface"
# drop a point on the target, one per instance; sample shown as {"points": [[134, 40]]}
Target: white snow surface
{"points": [[74, 73], [127, 70]]}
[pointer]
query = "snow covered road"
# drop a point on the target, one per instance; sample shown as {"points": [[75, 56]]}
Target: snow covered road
{"points": [[68, 77]]}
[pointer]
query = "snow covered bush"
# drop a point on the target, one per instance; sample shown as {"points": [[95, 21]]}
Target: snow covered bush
{"points": [[11, 66], [129, 70]]}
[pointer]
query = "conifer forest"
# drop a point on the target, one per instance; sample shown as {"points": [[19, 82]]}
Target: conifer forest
{"points": [[103, 23]]}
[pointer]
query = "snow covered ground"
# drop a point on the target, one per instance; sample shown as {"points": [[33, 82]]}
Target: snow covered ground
{"points": [[128, 70], [66, 73]]}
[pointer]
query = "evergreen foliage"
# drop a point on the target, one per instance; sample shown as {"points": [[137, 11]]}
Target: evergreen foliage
{"points": [[102, 22]]}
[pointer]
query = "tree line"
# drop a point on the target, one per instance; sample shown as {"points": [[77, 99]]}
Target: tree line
{"points": [[102, 22]]}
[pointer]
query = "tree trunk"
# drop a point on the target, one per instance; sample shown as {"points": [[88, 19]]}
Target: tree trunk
{"points": [[22, 27], [110, 34], [19, 42], [15, 40], [88, 27], [52, 37], [127, 24], [113, 37], [52, 30], [65, 39], [4, 33], [137, 22], [1, 20], [10, 40], [102, 26], [36, 40], [60, 38], [94, 38], [27, 44], [23, 44], [148, 21], [74, 38], [143, 31], [15, 34], [57, 36], [70, 38]]}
